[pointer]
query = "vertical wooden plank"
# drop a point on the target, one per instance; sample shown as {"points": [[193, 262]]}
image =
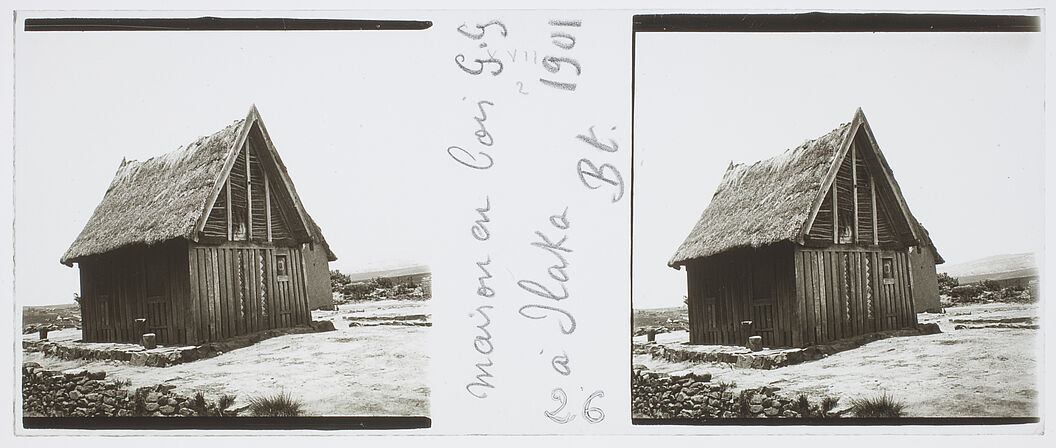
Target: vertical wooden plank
{"points": [[872, 200], [848, 285], [247, 284], [778, 263], [797, 326], [267, 204], [218, 316], [837, 301], [237, 293], [236, 310], [819, 299], [815, 298], [306, 310], [249, 194], [899, 286], [885, 296], [824, 296], [230, 298], [863, 326], [227, 193], [832, 325], [808, 293], [910, 310], [191, 311], [289, 294], [210, 294], [221, 275], [272, 289], [181, 283], [229, 293], [903, 270], [866, 300], [897, 291], [224, 256], [203, 296], [854, 188], [835, 214], [253, 283]]}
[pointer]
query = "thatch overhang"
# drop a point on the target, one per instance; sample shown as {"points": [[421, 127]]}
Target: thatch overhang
{"points": [[776, 200], [169, 196]]}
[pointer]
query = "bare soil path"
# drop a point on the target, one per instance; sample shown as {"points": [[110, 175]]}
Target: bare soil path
{"points": [[975, 372], [378, 370]]}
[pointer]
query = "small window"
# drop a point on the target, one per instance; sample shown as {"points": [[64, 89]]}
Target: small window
{"points": [[888, 270], [281, 266]]}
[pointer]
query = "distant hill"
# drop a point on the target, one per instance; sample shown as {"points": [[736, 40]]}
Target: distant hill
{"points": [[395, 272], [997, 267]]}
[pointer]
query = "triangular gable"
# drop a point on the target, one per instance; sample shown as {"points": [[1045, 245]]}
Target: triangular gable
{"points": [[275, 226], [254, 143], [892, 214]]}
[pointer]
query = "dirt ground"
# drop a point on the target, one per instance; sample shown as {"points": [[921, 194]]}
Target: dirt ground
{"points": [[976, 372], [377, 370]]}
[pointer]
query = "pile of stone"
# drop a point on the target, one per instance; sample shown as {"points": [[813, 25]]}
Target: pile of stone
{"points": [[694, 396], [409, 320], [660, 329], [83, 393]]}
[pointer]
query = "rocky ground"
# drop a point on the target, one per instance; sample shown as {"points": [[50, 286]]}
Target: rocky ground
{"points": [[988, 368], [363, 370]]}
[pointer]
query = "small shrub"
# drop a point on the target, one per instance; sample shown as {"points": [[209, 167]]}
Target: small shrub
{"points": [[883, 406], [139, 405], [726, 385], [744, 403], [222, 405], [967, 292], [946, 283], [827, 405], [383, 282], [803, 406], [991, 285], [279, 405]]}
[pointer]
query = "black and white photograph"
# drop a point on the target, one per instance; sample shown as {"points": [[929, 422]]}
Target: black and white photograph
{"points": [[561, 223], [221, 224], [837, 225]]}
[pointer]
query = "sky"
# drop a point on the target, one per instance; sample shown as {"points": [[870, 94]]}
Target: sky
{"points": [[344, 110], [958, 116]]}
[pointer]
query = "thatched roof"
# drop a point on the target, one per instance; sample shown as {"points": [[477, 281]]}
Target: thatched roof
{"points": [[164, 197], [769, 201]]}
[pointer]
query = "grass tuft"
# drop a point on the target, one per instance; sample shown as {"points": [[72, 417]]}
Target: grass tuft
{"points": [[279, 405], [883, 406]]}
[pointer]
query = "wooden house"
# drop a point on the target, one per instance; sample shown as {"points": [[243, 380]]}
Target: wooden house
{"points": [[810, 246], [205, 243]]}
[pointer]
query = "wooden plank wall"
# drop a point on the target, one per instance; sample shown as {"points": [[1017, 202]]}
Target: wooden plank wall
{"points": [[114, 292], [722, 296], [840, 293], [234, 291]]}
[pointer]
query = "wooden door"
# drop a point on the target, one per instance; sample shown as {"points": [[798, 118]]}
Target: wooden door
{"points": [[284, 289], [158, 303]]}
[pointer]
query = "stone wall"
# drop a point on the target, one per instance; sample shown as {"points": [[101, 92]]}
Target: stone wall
{"points": [[693, 396], [81, 393]]}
